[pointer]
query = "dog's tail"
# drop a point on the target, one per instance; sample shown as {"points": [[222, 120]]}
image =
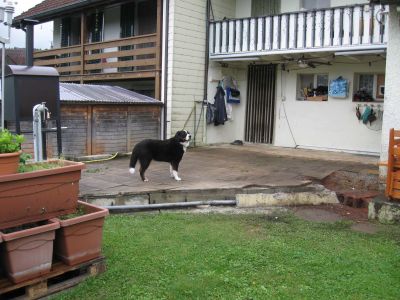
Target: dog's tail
{"points": [[132, 163]]}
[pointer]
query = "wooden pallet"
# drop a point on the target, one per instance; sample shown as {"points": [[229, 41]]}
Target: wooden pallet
{"points": [[61, 277]]}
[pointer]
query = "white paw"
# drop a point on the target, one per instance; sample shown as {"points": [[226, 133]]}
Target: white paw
{"points": [[146, 180], [132, 170], [178, 178]]}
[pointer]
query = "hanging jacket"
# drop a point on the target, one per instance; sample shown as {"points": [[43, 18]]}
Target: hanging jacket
{"points": [[220, 110]]}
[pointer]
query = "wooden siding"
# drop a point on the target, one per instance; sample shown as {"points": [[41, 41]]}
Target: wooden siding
{"points": [[187, 34], [99, 129]]}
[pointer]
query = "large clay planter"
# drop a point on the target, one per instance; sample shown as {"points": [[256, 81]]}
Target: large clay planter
{"points": [[79, 239], [9, 163], [28, 253], [39, 195]]}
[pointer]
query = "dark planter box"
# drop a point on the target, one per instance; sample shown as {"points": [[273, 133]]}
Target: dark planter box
{"points": [[27, 254], [79, 239], [39, 195]]}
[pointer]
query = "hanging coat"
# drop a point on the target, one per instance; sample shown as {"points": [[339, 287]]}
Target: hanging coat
{"points": [[220, 110]]}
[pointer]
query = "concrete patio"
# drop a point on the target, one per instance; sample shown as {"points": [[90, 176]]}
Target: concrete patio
{"points": [[220, 169]]}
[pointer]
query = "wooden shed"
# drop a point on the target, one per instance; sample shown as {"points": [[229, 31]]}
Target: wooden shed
{"points": [[100, 119]]}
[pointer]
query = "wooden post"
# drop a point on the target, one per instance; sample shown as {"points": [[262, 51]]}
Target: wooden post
{"points": [[157, 93], [83, 41], [89, 130]]}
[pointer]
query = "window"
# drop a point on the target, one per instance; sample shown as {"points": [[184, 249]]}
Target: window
{"points": [[369, 87], [314, 4], [312, 87]]}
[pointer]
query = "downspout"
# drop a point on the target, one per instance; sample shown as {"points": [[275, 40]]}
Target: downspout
{"points": [[165, 70], [206, 66], [29, 44]]}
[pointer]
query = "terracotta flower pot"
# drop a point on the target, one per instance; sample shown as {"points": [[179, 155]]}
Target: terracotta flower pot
{"points": [[9, 163], [39, 195], [28, 253], [79, 239]]}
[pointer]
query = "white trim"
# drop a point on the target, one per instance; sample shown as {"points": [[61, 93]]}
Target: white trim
{"points": [[310, 50]]}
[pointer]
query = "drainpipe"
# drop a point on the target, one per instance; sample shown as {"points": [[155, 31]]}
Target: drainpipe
{"points": [[29, 44], [177, 205], [206, 66], [165, 70]]}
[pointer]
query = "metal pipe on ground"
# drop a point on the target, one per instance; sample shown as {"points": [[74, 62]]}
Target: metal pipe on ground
{"points": [[133, 208]]}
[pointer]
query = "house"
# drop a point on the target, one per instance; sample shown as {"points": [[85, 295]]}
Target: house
{"points": [[107, 42], [285, 58]]}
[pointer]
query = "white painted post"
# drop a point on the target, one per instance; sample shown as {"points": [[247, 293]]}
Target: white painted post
{"points": [[218, 37], [318, 29], [231, 43], [309, 33], [336, 27], [239, 34], [224, 37], [367, 25], [260, 33], [284, 31], [267, 35], [356, 25], [253, 34], [245, 44], [211, 44], [301, 22], [346, 26], [276, 33], [327, 28], [292, 31]]}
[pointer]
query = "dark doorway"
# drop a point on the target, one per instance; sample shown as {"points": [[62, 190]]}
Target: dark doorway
{"points": [[260, 107]]}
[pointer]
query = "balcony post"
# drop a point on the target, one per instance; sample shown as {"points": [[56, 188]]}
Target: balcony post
{"points": [[157, 91], [83, 40]]}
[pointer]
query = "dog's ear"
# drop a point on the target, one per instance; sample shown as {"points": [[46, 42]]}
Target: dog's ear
{"points": [[181, 135]]}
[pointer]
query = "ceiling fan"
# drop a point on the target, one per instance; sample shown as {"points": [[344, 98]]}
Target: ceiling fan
{"points": [[305, 63]]}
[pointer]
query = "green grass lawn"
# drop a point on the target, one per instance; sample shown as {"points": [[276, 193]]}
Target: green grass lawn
{"points": [[189, 256]]}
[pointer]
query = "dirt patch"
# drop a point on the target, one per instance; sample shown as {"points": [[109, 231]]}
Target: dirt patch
{"points": [[365, 228], [365, 180], [317, 215], [344, 212]]}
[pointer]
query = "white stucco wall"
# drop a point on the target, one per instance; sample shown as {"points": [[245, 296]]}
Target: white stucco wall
{"points": [[186, 55], [233, 129], [391, 118], [328, 125]]}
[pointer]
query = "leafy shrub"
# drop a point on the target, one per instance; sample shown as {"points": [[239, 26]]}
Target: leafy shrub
{"points": [[9, 142]]}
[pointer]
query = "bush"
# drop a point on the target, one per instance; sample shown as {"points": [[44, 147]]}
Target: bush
{"points": [[9, 142]]}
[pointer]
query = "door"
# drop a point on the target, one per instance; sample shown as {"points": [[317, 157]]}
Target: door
{"points": [[260, 106]]}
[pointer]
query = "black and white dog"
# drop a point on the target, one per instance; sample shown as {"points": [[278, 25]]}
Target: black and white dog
{"points": [[170, 151]]}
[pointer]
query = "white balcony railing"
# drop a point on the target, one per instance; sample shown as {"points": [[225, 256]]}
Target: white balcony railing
{"points": [[341, 28]]}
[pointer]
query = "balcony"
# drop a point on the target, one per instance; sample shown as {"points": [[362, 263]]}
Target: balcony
{"points": [[349, 28], [134, 57]]}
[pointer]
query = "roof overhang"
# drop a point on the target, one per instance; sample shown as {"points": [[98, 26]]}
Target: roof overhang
{"points": [[384, 2], [51, 14]]}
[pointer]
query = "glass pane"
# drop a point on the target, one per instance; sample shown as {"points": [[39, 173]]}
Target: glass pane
{"points": [[322, 80], [366, 83]]}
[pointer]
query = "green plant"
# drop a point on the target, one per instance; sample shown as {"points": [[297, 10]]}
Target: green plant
{"points": [[79, 212], [30, 167], [9, 142], [24, 157]]}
